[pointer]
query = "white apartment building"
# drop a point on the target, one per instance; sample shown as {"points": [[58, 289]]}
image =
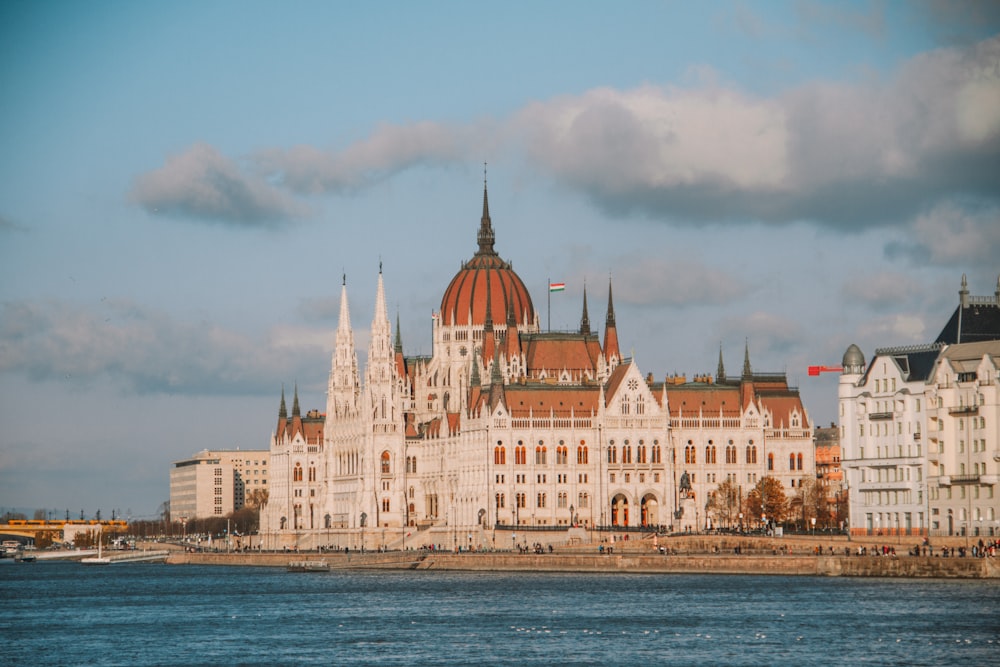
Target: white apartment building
{"points": [[882, 422], [919, 429], [964, 455]]}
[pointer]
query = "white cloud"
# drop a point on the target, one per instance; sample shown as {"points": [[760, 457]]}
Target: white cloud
{"points": [[674, 281], [953, 234], [202, 183], [145, 352], [849, 156], [880, 289]]}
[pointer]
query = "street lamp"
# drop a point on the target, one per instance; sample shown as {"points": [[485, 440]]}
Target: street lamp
{"points": [[513, 541], [741, 522], [814, 526], [571, 521]]}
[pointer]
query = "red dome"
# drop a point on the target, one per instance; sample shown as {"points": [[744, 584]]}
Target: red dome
{"points": [[486, 279]]}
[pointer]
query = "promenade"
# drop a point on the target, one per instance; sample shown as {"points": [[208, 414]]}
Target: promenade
{"points": [[683, 555]]}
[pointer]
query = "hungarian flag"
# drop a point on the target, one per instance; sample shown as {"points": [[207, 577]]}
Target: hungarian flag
{"points": [[557, 287]]}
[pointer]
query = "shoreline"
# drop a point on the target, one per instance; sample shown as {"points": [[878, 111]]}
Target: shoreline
{"points": [[920, 567]]}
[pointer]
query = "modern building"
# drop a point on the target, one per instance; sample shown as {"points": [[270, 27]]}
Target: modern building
{"points": [[215, 483], [507, 429], [904, 434]]}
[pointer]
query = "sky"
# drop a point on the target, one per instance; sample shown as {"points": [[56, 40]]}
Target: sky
{"points": [[184, 186]]}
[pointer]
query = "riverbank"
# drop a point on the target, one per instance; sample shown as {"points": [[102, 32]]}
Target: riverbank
{"points": [[693, 555]]}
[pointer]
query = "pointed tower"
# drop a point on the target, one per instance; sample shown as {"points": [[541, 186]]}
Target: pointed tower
{"points": [[296, 413], [282, 414], [720, 373], [489, 337], [380, 372], [585, 318], [512, 345], [612, 354], [747, 371], [344, 386]]}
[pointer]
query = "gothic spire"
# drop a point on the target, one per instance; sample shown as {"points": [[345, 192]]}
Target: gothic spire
{"points": [[612, 353], [486, 235], [747, 373], [585, 319], [611, 307], [720, 374], [398, 344], [282, 411], [295, 402]]}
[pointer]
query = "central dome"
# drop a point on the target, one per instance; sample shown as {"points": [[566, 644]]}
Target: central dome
{"points": [[486, 284]]}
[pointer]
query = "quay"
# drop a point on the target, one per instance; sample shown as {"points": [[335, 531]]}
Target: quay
{"points": [[696, 555]]}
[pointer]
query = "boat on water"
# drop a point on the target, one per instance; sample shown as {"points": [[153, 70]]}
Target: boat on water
{"points": [[308, 566], [23, 557]]}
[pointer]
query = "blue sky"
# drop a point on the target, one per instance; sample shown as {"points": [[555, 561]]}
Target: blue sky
{"points": [[182, 186]]}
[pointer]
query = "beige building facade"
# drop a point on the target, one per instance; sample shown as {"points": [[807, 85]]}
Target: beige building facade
{"points": [[215, 483]]}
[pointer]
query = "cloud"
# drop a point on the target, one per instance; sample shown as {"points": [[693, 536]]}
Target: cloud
{"points": [[203, 184], [768, 335], [390, 149], [664, 281], [881, 289], [894, 329], [953, 235], [9, 226], [145, 352], [849, 156]]}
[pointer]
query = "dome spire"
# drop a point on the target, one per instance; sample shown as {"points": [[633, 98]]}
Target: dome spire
{"points": [[486, 236]]}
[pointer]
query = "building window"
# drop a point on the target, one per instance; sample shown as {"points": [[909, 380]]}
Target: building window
{"points": [[581, 454], [540, 455], [499, 455]]}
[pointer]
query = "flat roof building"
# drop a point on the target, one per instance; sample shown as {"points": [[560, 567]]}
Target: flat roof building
{"points": [[217, 482]]}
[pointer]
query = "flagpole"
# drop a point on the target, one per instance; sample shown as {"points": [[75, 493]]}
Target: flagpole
{"points": [[548, 290]]}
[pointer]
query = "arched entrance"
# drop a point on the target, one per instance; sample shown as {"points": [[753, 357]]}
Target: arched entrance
{"points": [[619, 510], [650, 510]]}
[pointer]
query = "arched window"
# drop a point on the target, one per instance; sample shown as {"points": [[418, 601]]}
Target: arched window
{"points": [[540, 455], [581, 454], [799, 459], [627, 454], [499, 455], [770, 461], [710, 454], [520, 455], [751, 454], [690, 454], [385, 463], [562, 455], [612, 454], [657, 454], [297, 473], [640, 454], [791, 461]]}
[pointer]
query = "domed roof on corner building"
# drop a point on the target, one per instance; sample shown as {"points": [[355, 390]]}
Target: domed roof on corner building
{"points": [[486, 280], [854, 359]]}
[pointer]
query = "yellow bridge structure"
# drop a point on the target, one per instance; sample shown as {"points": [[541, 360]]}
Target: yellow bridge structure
{"points": [[33, 528]]}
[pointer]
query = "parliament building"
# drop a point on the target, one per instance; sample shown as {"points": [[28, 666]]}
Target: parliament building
{"points": [[506, 430]]}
